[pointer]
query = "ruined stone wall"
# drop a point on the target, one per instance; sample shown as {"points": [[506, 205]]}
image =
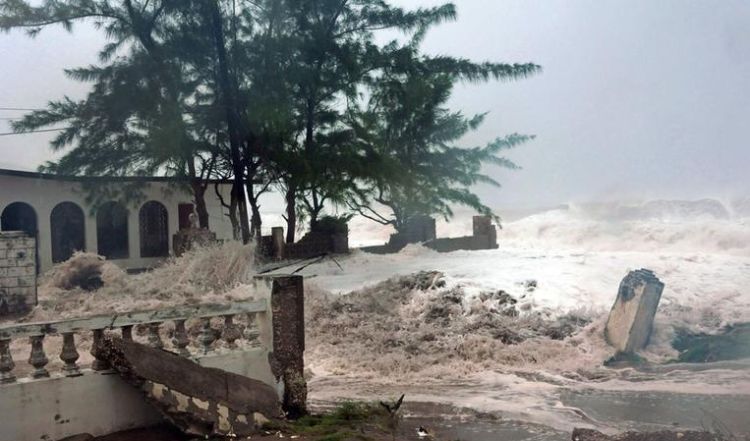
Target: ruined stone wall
{"points": [[17, 272], [313, 244], [484, 237]]}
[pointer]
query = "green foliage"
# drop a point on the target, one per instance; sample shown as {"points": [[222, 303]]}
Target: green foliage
{"points": [[296, 95], [349, 420], [332, 224], [412, 137]]}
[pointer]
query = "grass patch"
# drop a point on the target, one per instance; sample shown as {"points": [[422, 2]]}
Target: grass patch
{"points": [[350, 420]]}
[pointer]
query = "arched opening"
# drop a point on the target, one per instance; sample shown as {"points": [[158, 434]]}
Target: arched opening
{"points": [[19, 216], [112, 231], [154, 230], [67, 224]]}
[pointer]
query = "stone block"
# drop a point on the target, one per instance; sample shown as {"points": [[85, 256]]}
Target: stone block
{"points": [[632, 316], [9, 282], [21, 271], [27, 281]]}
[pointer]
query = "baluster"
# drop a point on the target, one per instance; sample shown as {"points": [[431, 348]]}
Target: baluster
{"points": [[127, 332], [231, 332], [69, 355], [207, 336], [98, 364], [251, 331], [37, 357], [181, 340], [154, 339], [6, 363]]}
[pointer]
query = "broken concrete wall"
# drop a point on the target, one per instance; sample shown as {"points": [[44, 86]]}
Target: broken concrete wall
{"points": [[187, 238], [631, 319], [17, 272], [418, 229], [199, 400], [484, 237], [312, 244]]}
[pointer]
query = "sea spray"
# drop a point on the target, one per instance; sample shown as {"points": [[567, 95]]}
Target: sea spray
{"points": [[211, 274], [416, 325]]}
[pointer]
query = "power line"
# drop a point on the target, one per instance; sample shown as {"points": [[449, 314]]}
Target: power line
{"points": [[21, 109], [32, 131]]}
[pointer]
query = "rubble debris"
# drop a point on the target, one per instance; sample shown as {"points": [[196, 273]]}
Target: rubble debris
{"points": [[199, 401], [83, 270], [632, 316]]}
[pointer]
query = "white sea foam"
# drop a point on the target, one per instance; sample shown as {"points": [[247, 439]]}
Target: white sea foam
{"points": [[577, 255]]}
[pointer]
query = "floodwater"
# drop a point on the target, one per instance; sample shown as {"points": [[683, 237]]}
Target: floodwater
{"points": [[484, 411]]}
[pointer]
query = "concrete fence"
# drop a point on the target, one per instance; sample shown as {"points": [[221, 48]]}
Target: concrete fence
{"points": [[260, 339]]}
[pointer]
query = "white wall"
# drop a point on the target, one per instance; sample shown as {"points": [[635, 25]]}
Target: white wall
{"points": [[44, 194]]}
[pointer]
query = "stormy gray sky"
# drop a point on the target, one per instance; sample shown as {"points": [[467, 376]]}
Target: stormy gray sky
{"points": [[638, 99]]}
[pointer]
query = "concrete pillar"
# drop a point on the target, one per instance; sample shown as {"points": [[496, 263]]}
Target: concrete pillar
{"points": [[482, 227], [278, 243], [288, 328], [632, 316]]}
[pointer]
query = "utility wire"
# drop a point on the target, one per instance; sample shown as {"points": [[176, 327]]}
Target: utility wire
{"points": [[32, 131], [22, 109]]}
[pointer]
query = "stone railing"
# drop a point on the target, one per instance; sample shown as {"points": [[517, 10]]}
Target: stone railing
{"points": [[253, 313]]}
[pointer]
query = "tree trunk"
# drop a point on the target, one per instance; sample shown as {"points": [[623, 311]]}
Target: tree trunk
{"points": [[236, 233], [199, 193], [255, 218], [291, 213], [315, 210], [233, 119]]}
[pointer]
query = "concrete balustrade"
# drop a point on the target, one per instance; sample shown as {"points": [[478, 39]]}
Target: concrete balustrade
{"points": [[151, 320], [41, 398]]}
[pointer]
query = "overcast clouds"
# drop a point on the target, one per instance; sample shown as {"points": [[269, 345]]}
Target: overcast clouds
{"points": [[637, 99]]}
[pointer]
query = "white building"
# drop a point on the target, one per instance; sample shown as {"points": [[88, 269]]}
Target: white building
{"points": [[135, 234]]}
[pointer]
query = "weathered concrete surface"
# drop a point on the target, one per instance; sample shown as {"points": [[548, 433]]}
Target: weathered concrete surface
{"points": [[187, 238], [287, 360], [57, 407], [200, 401], [631, 319], [593, 435]]}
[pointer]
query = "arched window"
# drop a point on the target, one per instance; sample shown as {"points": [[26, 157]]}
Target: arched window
{"points": [[112, 231], [154, 230], [19, 216], [67, 225]]}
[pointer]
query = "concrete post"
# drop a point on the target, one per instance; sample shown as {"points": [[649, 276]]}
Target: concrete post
{"points": [[288, 323], [277, 239], [632, 316], [482, 227]]}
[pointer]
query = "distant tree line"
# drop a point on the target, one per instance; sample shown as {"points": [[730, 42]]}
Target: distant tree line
{"points": [[294, 96]]}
